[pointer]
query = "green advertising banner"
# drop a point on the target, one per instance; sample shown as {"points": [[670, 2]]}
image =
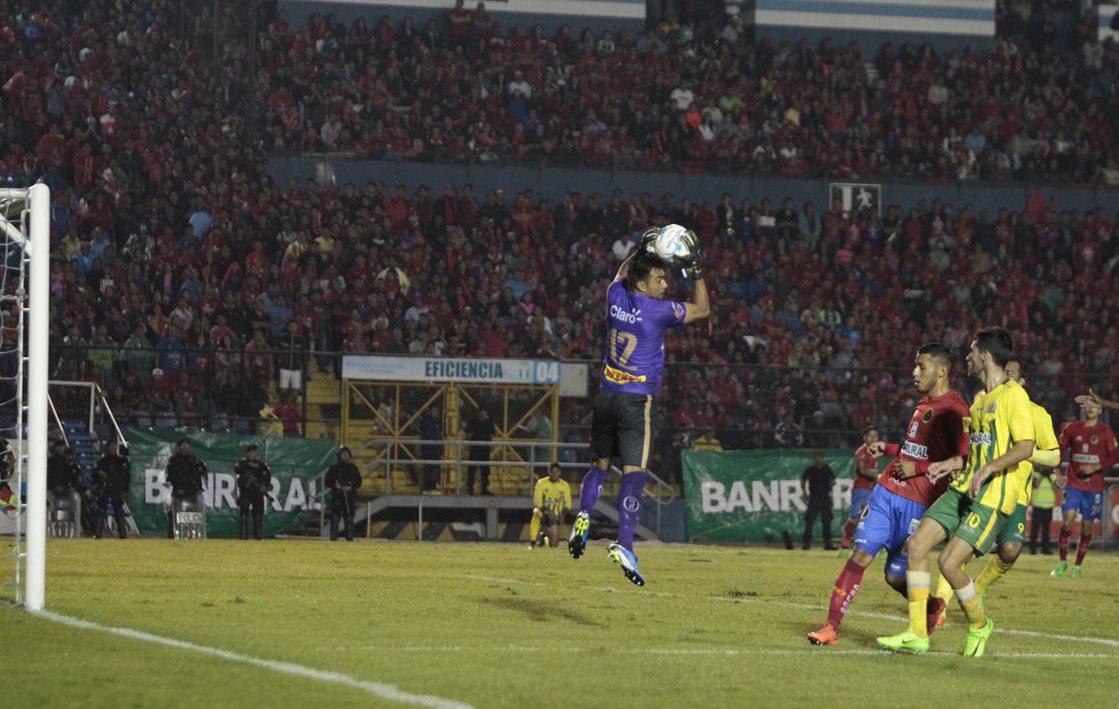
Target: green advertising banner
{"points": [[295, 463], [737, 496]]}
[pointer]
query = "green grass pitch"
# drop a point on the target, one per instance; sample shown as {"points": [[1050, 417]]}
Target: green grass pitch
{"points": [[498, 625]]}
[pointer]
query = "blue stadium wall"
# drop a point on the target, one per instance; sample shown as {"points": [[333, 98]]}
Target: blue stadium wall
{"points": [[554, 181], [550, 14], [947, 24]]}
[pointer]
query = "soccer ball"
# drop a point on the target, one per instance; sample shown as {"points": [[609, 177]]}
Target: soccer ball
{"points": [[670, 244]]}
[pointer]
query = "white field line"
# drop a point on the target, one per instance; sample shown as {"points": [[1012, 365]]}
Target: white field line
{"points": [[714, 652], [1106, 642], [377, 689]]}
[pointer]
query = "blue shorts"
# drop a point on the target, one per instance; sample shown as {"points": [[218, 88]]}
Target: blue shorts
{"points": [[1088, 504], [888, 521], [859, 498]]}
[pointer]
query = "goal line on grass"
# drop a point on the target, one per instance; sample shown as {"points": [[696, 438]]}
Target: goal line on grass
{"points": [[377, 689]]}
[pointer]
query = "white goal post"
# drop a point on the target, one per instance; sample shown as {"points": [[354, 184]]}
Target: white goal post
{"points": [[37, 374], [25, 224]]}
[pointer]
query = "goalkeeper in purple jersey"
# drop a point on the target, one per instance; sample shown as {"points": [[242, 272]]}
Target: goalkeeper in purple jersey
{"points": [[637, 318]]}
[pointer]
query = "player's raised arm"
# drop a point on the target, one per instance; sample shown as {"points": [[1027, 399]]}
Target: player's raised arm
{"points": [[642, 246], [1093, 398], [700, 308]]}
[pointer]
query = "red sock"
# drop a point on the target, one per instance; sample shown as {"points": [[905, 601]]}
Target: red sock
{"points": [[1083, 547], [846, 587], [849, 532], [1062, 544]]}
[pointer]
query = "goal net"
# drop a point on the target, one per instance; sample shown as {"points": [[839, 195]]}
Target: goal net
{"points": [[24, 327]]}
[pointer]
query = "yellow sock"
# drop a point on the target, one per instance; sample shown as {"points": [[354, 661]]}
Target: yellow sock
{"points": [[534, 529], [943, 589], [973, 609], [917, 585], [996, 568]]}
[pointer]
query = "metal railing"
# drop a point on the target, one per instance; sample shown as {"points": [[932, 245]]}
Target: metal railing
{"points": [[748, 421], [96, 403], [657, 490]]}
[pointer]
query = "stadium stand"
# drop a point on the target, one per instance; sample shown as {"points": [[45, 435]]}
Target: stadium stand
{"points": [[704, 100], [184, 276]]}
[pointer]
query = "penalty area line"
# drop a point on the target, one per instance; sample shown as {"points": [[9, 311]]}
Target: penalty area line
{"points": [[377, 689]]}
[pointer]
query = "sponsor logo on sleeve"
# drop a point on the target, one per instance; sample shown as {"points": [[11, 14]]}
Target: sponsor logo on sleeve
{"points": [[678, 309]]}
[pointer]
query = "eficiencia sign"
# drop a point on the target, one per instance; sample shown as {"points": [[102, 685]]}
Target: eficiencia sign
{"points": [[451, 369]]}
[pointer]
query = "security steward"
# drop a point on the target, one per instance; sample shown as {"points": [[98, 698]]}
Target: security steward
{"points": [[112, 477], [186, 473], [253, 481], [343, 479]]}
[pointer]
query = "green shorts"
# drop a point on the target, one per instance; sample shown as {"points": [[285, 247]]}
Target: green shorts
{"points": [[966, 519], [1015, 528]]}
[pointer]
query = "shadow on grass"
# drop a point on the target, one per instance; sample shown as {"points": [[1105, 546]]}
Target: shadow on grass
{"points": [[540, 611]]}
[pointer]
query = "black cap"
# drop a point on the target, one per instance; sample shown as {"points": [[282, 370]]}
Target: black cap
{"points": [[182, 441], [250, 447]]}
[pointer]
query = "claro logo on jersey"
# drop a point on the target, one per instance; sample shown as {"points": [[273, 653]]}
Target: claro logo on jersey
{"points": [[619, 314], [915, 450], [1083, 458]]}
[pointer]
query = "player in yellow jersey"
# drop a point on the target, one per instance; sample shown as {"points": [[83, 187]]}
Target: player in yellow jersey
{"points": [[551, 500], [983, 493], [1008, 545]]}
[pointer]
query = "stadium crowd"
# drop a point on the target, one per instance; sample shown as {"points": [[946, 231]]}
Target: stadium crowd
{"points": [[184, 279], [694, 97]]}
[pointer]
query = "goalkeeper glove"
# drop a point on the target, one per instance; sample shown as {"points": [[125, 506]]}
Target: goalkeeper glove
{"points": [[693, 265], [647, 240]]}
